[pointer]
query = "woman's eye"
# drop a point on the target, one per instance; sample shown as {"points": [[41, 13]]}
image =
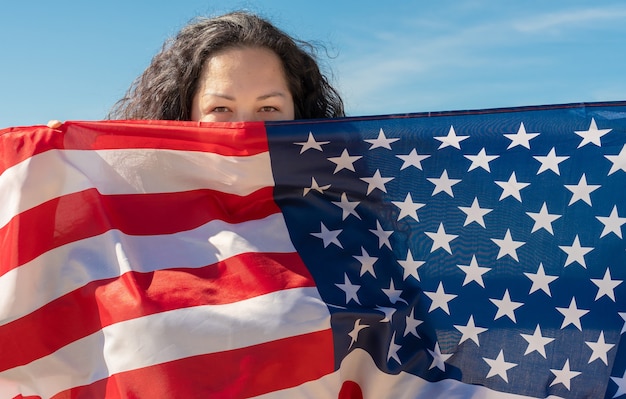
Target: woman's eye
{"points": [[220, 109], [268, 109]]}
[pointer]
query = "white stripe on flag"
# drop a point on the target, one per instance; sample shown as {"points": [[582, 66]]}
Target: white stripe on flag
{"points": [[111, 254], [56, 173], [182, 333], [359, 366]]}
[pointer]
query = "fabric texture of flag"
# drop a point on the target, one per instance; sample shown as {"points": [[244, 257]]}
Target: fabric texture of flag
{"points": [[468, 254]]}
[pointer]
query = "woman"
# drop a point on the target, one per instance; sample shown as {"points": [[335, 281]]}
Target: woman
{"points": [[231, 68]]}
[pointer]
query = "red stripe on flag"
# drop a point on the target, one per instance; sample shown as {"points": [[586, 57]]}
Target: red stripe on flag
{"points": [[233, 374], [88, 213], [18, 144], [105, 302], [350, 390], [218, 138]]}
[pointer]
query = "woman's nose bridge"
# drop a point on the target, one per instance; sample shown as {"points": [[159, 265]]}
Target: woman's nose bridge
{"points": [[244, 115]]}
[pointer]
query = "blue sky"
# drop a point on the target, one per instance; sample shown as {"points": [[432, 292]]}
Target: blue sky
{"points": [[72, 60]]}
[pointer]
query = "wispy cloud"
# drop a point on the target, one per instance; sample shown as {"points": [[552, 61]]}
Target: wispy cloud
{"points": [[571, 19], [435, 63]]}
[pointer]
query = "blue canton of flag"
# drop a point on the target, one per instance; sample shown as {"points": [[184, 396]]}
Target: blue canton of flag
{"points": [[479, 252]]}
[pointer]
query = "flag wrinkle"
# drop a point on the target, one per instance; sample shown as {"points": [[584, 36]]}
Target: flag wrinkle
{"points": [[105, 302], [188, 376], [55, 173], [85, 214], [125, 346], [95, 258]]}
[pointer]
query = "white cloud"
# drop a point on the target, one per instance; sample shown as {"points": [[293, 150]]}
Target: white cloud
{"points": [[458, 62], [570, 19]]}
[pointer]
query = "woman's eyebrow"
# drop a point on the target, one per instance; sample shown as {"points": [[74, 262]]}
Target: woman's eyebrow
{"points": [[220, 95], [231, 98], [272, 94]]}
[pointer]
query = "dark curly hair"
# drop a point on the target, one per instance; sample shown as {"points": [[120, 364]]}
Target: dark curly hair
{"points": [[166, 88]]}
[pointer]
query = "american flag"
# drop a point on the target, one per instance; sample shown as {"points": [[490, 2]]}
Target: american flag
{"points": [[469, 254]]}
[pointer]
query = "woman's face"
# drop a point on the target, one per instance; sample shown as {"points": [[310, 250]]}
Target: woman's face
{"points": [[243, 84]]}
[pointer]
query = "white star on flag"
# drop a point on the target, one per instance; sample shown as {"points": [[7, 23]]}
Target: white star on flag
{"points": [[536, 342], [381, 141], [499, 366], [543, 219], [600, 349], [410, 266], [311, 144], [376, 181], [439, 299], [408, 207], [572, 315], [581, 191], [367, 262], [612, 224], [475, 213], [451, 139], [411, 324], [412, 159], [619, 161], [345, 161], [348, 207], [443, 184], [575, 253], [439, 359], [550, 162], [520, 138], [315, 187], [511, 188], [441, 239], [383, 235], [481, 160], [393, 294], [606, 286], [473, 272], [564, 376], [354, 334], [328, 236], [394, 349], [592, 135], [349, 289], [387, 313], [540, 280], [507, 246], [621, 385], [506, 307], [470, 331]]}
